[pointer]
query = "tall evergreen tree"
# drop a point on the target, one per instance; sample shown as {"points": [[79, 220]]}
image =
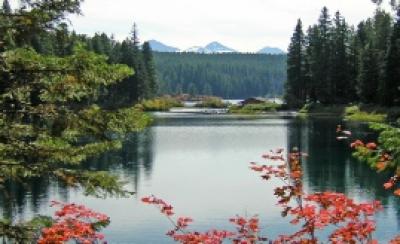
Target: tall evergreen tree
{"points": [[295, 87], [313, 50], [151, 70], [339, 62], [325, 88], [381, 39], [391, 87], [368, 75], [135, 35], [140, 78]]}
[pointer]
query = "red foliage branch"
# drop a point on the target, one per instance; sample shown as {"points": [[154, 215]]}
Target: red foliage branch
{"points": [[383, 162], [246, 229], [74, 222], [316, 211]]}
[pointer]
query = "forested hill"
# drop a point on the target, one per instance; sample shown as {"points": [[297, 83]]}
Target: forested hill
{"points": [[231, 75]]}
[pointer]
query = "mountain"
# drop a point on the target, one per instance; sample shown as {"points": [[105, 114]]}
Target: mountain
{"points": [[161, 47], [216, 47], [196, 49], [213, 47], [271, 50]]}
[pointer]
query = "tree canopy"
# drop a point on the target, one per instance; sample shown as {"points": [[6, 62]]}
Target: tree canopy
{"points": [[340, 64]]}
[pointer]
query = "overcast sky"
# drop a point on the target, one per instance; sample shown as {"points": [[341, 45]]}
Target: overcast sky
{"points": [[245, 25]]}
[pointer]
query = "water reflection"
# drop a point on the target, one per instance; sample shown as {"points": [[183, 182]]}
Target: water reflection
{"points": [[331, 167], [200, 164], [130, 162]]}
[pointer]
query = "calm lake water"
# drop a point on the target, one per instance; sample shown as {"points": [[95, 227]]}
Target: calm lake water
{"points": [[199, 163]]}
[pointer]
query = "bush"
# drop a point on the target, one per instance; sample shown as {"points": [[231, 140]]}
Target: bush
{"points": [[354, 113], [161, 104], [255, 108]]}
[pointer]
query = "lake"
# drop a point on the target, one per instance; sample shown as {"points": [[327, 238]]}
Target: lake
{"points": [[200, 164]]}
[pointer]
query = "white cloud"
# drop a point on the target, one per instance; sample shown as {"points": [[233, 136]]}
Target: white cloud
{"points": [[246, 25]]}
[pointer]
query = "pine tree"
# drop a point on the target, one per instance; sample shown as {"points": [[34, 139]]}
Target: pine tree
{"points": [[391, 88], [353, 67], [368, 76], [339, 62], [135, 35], [151, 70], [141, 77], [382, 31], [295, 87], [325, 89], [313, 49], [49, 103]]}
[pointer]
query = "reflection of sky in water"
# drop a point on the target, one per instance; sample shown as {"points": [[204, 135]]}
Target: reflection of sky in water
{"points": [[200, 165]]}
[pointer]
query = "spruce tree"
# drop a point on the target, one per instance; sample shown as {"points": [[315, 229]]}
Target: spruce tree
{"points": [[140, 78], [368, 76], [151, 70], [325, 88], [313, 51], [295, 87], [339, 63], [391, 88]]}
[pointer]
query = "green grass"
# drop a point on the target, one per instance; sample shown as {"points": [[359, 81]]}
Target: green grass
{"points": [[160, 104], [355, 113], [254, 108], [363, 113]]}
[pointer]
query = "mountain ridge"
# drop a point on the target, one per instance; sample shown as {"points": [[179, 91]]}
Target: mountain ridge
{"points": [[212, 47]]}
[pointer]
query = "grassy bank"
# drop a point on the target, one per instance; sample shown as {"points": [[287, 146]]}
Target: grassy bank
{"points": [[160, 104], [364, 113], [254, 108]]}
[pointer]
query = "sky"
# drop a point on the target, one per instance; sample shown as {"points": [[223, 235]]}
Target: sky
{"points": [[245, 25]]}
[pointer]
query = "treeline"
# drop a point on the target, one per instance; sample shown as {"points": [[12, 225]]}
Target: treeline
{"points": [[335, 63], [60, 41], [224, 75]]}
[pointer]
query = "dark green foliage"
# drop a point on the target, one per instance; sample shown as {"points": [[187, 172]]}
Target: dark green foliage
{"points": [[151, 70], [296, 87], [341, 64], [389, 142], [368, 76], [321, 49], [391, 87], [340, 76], [51, 89], [223, 75]]}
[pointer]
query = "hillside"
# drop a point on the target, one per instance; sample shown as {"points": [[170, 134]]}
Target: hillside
{"points": [[230, 75]]}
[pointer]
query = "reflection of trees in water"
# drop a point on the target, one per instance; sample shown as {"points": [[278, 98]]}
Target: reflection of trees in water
{"points": [[135, 157], [15, 197], [330, 165]]}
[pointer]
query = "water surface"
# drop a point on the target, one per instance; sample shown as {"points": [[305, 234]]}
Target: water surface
{"points": [[199, 163]]}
